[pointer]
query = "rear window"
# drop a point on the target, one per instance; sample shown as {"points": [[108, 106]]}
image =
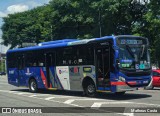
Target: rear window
{"points": [[154, 73]]}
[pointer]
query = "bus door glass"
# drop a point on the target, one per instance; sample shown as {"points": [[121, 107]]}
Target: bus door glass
{"points": [[50, 67], [103, 66], [21, 71]]}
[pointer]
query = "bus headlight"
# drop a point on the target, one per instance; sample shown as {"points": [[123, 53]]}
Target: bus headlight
{"points": [[122, 79]]}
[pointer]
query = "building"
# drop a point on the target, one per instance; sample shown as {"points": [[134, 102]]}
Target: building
{"points": [[2, 56], [2, 62]]}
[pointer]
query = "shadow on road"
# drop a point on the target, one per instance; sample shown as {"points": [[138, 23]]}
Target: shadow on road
{"points": [[126, 96], [110, 96], [156, 89]]}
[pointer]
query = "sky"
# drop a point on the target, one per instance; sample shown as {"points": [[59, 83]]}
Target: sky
{"points": [[14, 6]]}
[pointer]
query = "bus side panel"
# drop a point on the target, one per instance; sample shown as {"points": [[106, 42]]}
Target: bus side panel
{"points": [[113, 78], [34, 72], [78, 73], [22, 77], [40, 74], [13, 76], [41, 77], [54, 79], [62, 77]]}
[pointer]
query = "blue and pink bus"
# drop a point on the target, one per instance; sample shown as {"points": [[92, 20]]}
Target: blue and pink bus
{"points": [[108, 64]]}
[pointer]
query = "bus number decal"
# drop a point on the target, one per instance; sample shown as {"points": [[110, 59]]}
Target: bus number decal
{"points": [[11, 72]]}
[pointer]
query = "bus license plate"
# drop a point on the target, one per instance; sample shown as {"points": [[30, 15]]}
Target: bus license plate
{"points": [[145, 81]]}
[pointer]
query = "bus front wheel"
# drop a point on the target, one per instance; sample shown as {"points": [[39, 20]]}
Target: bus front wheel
{"points": [[33, 86], [90, 89]]}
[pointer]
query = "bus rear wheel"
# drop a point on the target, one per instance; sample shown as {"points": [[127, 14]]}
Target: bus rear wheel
{"points": [[90, 89], [33, 87]]}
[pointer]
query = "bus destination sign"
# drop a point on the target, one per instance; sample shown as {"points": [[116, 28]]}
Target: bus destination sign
{"points": [[128, 41]]}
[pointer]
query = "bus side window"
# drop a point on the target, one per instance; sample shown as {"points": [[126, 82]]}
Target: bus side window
{"points": [[59, 57], [12, 60], [64, 56], [31, 59], [68, 55], [21, 62], [86, 55], [41, 59]]}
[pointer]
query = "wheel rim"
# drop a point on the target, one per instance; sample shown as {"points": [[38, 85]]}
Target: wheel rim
{"points": [[91, 89], [33, 86]]}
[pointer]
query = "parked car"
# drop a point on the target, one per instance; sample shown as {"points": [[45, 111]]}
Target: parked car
{"points": [[155, 82], [2, 73], [156, 78]]}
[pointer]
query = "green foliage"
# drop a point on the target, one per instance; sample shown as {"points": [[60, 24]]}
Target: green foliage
{"points": [[149, 27], [84, 19]]}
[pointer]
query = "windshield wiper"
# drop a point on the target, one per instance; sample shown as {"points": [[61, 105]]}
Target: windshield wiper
{"points": [[130, 51], [143, 47]]}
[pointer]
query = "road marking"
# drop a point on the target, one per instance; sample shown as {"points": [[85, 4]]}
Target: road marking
{"points": [[127, 114], [72, 100], [97, 105], [69, 101], [63, 96], [75, 105], [49, 98], [37, 95], [23, 93], [14, 92]]}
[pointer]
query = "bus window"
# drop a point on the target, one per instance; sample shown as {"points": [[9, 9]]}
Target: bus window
{"points": [[31, 59], [85, 55], [40, 59], [21, 62], [12, 60], [67, 56]]}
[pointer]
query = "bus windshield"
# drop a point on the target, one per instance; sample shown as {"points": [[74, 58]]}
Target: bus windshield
{"points": [[133, 54]]}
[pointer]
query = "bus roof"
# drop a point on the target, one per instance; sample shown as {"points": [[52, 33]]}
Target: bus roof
{"points": [[58, 43], [62, 43]]}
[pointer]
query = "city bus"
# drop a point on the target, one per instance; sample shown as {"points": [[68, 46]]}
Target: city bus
{"points": [[113, 64]]}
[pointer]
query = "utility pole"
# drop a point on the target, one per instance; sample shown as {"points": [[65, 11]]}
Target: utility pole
{"points": [[100, 28], [5, 65], [1, 61], [51, 33]]}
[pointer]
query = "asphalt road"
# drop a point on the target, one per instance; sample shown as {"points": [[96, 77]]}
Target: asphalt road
{"points": [[73, 103]]}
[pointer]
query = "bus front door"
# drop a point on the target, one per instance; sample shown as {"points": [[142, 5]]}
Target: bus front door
{"points": [[103, 67], [50, 69]]}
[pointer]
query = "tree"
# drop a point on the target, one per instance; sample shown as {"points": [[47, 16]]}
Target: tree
{"points": [[62, 19], [28, 26], [149, 26]]}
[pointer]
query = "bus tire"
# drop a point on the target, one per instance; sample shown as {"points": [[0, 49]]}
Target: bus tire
{"points": [[90, 89], [33, 87]]}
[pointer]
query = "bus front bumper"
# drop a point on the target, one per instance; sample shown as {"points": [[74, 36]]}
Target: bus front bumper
{"points": [[129, 86]]}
